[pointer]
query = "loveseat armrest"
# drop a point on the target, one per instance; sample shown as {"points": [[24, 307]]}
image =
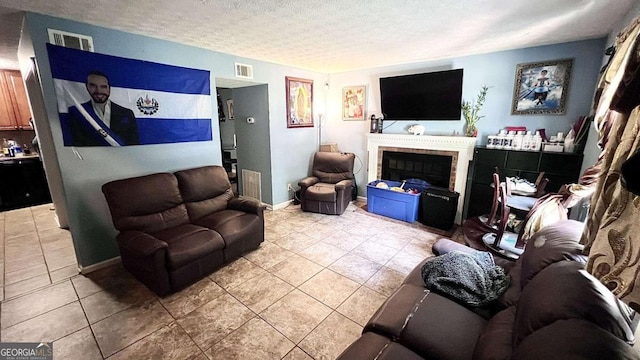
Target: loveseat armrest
{"points": [[428, 324], [308, 181], [444, 246], [343, 184], [246, 205], [139, 243]]}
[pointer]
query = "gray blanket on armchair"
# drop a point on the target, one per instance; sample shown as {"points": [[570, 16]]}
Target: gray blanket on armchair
{"points": [[471, 278]]}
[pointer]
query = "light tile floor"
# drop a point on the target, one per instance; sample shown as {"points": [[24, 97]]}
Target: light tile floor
{"points": [[305, 293]]}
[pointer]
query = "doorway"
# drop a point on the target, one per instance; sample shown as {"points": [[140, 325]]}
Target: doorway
{"points": [[228, 142], [244, 132]]}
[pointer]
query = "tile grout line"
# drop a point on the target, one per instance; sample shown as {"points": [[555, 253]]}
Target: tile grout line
{"points": [[4, 284], [15, 298], [93, 334], [41, 247], [178, 323]]}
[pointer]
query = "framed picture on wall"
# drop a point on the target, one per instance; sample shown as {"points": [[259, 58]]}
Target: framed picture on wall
{"points": [[354, 100], [541, 87], [299, 102]]}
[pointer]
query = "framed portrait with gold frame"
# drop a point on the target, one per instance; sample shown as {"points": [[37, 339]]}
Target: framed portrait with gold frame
{"points": [[299, 102], [541, 88], [354, 99]]}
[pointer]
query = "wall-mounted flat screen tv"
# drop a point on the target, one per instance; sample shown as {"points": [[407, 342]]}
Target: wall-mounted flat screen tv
{"points": [[427, 96]]}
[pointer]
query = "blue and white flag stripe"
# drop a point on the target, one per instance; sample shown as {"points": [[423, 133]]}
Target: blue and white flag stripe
{"points": [[127, 73], [170, 103]]}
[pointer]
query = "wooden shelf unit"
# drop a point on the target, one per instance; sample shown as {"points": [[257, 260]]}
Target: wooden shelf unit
{"points": [[560, 168]]}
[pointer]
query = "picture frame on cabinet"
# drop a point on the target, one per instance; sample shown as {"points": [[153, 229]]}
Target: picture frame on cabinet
{"points": [[354, 100], [541, 87], [299, 94]]}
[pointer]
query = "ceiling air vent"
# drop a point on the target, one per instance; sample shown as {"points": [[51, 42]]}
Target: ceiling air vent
{"points": [[71, 40], [244, 71]]}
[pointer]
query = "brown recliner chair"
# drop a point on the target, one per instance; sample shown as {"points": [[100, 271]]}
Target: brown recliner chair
{"points": [[328, 189]]}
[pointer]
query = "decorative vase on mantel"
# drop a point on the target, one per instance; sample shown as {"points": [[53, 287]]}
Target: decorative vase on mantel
{"points": [[470, 131], [470, 111]]}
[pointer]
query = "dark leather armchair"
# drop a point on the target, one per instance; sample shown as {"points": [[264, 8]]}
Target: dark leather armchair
{"points": [[328, 189]]}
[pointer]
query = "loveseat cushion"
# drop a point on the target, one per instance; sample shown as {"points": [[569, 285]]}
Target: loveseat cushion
{"points": [[495, 341], [232, 225], [564, 290], [511, 296], [573, 339], [415, 318], [187, 243], [373, 346], [553, 243], [204, 189], [146, 203]]}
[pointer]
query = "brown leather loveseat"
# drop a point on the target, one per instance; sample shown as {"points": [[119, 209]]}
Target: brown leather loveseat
{"points": [[176, 228], [552, 309]]}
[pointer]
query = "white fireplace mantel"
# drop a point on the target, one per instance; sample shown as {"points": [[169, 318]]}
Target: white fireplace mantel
{"points": [[461, 144]]}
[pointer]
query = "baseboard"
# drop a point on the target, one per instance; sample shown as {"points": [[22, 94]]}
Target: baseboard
{"points": [[101, 265], [289, 202], [282, 205]]}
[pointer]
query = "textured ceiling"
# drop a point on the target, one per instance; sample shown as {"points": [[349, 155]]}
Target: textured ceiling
{"points": [[337, 35]]}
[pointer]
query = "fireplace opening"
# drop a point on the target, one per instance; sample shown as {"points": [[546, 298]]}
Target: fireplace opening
{"points": [[434, 169]]}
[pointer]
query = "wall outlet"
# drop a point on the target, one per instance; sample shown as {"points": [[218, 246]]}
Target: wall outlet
{"points": [[289, 187]]}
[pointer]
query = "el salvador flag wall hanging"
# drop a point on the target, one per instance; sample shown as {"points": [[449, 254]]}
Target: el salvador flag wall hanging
{"points": [[106, 100]]}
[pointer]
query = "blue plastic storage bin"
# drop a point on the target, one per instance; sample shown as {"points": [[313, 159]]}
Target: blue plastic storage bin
{"points": [[394, 204]]}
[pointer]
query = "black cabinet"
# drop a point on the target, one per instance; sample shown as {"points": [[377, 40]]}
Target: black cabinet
{"points": [[23, 183], [559, 168]]}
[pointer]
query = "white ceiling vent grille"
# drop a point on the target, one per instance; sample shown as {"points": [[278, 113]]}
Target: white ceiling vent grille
{"points": [[244, 71], [71, 40]]}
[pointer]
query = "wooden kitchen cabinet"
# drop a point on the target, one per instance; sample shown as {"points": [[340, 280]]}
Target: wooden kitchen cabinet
{"points": [[24, 183], [14, 106]]}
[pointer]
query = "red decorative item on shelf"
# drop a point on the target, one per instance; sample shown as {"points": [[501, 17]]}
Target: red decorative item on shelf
{"points": [[516, 128]]}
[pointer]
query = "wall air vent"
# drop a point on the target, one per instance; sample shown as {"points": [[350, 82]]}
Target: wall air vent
{"points": [[244, 71], [70, 40]]}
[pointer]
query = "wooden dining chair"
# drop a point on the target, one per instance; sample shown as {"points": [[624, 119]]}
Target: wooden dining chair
{"points": [[510, 244], [541, 184], [491, 218], [503, 242]]}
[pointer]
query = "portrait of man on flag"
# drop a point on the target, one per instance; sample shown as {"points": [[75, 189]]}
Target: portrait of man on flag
{"points": [[99, 119], [106, 100]]}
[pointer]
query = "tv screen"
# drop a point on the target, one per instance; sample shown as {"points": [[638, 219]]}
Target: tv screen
{"points": [[428, 96]]}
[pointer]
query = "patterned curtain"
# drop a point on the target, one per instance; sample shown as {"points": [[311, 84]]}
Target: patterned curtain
{"points": [[612, 233]]}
